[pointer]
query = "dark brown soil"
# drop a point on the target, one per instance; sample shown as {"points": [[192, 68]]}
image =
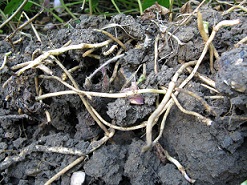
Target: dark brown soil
{"points": [[213, 154]]}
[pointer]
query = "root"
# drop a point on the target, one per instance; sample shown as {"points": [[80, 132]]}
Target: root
{"points": [[112, 37], [84, 101], [14, 14], [203, 32], [61, 150], [59, 51], [5, 59], [202, 118], [156, 54], [203, 102], [43, 61], [98, 94], [203, 78], [93, 146], [163, 154], [88, 79], [155, 115], [235, 7], [242, 41]]}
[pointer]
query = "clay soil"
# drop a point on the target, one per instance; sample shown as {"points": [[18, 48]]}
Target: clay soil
{"points": [[215, 154]]}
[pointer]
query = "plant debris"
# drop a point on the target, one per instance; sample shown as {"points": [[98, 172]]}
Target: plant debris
{"points": [[95, 89]]}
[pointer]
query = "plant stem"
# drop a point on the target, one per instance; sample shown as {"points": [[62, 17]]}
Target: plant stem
{"points": [[140, 6]]}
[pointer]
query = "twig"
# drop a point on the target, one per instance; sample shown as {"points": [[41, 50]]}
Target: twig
{"points": [[204, 35], [224, 2], [67, 43], [176, 38], [110, 51], [6, 82], [64, 170], [58, 149], [164, 29], [95, 145], [62, 150], [59, 51], [23, 25], [131, 77], [162, 125], [88, 79], [4, 17], [234, 117], [39, 92], [202, 118], [86, 53], [99, 94], [203, 78], [210, 88], [176, 163], [112, 37], [5, 59], [215, 29], [164, 103], [114, 73], [45, 69], [14, 159], [97, 57], [14, 14], [156, 54], [214, 97], [84, 101], [64, 83], [235, 7], [112, 25], [204, 103], [242, 41], [142, 125], [194, 12], [154, 116], [18, 41], [34, 29], [21, 65], [71, 70], [115, 70], [21, 116]]}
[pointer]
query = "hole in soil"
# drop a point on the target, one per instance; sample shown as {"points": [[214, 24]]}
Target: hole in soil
{"points": [[1, 178], [13, 180], [91, 64], [134, 42], [31, 180], [73, 121], [3, 103], [238, 111], [47, 101], [125, 181], [67, 61], [97, 78]]}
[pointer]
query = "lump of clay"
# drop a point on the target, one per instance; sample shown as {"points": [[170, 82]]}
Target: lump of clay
{"points": [[231, 79]]}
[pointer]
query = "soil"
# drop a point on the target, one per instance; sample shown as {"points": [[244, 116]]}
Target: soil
{"points": [[213, 154]]}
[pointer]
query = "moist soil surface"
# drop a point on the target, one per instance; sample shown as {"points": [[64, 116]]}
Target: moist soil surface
{"points": [[215, 154]]}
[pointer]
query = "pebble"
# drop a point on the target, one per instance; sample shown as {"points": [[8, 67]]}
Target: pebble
{"points": [[77, 178]]}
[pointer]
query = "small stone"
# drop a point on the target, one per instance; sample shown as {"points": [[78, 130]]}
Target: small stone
{"points": [[77, 178]]}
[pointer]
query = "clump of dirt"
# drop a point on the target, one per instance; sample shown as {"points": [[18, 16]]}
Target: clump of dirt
{"points": [[231, 77], [33, 149]]}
